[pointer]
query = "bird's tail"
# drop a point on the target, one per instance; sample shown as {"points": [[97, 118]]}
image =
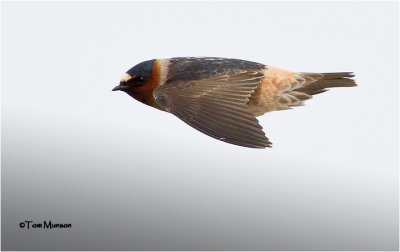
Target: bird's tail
{"points": [[319, 82]]}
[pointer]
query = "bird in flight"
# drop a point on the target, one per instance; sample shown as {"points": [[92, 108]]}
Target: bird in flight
{"points": [[222, 97]]}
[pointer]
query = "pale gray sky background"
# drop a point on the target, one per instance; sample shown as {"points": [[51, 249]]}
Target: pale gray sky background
{"points": [[129, 177]]}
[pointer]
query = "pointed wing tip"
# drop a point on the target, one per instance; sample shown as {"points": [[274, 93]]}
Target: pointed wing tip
{"points": [[260, 145], [264, 143], [267, 144]]}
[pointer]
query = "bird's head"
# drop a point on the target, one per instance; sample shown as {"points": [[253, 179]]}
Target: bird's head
{"points": [[140, 82], [136, 77]]}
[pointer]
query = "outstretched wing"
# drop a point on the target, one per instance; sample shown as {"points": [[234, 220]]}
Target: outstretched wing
{"points": [[217, 106]]}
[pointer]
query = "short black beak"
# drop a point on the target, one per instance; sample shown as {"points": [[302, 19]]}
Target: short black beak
{"points": [[120, 88]]}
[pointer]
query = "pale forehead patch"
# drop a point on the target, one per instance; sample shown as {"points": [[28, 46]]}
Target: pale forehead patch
{"points": [[126, 77]]}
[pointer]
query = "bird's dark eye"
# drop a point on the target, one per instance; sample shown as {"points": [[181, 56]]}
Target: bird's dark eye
{"points": [[140, 79]]}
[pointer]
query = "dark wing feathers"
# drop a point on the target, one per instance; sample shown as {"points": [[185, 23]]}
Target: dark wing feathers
{"points": [[217, 106]]}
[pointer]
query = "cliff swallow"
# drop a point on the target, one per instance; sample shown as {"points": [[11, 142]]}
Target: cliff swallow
{"points": [[222, 97]]}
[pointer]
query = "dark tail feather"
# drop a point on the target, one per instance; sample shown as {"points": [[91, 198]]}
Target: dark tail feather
{"points": [[319, 82]]}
